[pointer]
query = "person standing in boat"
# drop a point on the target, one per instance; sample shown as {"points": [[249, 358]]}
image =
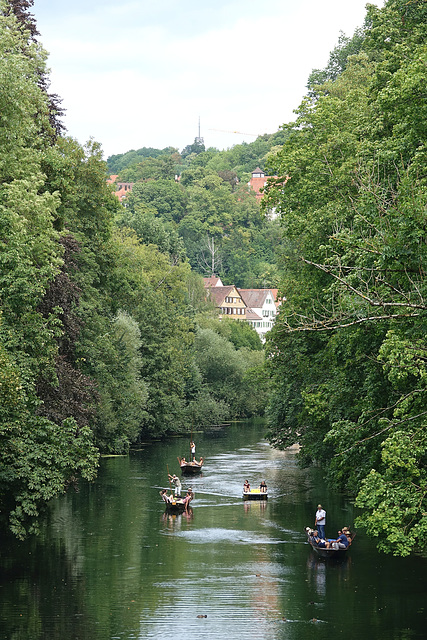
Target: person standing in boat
{"points": [[177, 482], [320, 521], [193, 450]]}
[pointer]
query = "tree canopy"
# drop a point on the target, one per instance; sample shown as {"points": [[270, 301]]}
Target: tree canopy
{"points": [[348, 352]]}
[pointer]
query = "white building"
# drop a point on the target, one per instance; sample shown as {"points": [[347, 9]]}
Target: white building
{"points": [[261, 309]]}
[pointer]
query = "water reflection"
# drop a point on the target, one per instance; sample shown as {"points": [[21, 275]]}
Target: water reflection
{"points": [[113, 564], [254, 508], [173, 521]]}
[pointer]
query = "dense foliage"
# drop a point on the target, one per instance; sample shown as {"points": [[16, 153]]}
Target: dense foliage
{"points": [[202, 197], [348, 354], [39, 457]]}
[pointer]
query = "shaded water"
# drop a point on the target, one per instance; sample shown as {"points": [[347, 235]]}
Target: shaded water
{"points": [[111, 565]]}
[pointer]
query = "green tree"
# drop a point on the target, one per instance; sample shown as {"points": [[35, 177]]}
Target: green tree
{"points": [[148, 285], [226, 372], [192, 150], [164, 167], [121, 161], [118, 370], [151, 229], [166, 197], [39, 457], [346, 354]]}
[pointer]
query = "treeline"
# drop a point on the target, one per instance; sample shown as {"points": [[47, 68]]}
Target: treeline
{"points": [[348, 355], [197, 203], [105, 334]]}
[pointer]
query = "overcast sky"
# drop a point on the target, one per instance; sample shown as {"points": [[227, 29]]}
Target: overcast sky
{"points": [[140, 73]]}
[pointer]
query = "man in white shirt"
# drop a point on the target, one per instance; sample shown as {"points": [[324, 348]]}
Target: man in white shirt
{"points": [[177, 482], [320, 521]]}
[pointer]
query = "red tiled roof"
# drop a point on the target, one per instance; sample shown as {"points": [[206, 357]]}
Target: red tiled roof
{"points": [[257, 184], [212, 281], [277, 301], [122, 188]]}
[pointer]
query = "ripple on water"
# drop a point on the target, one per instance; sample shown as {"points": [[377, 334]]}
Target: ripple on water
{"points": [[219, 535]]}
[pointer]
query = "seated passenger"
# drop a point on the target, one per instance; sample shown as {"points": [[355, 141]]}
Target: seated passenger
{"points": [[165, 497], [263, 487], [319, 542], [188, 498], [246, 487], [347, 532], [341, 542]]}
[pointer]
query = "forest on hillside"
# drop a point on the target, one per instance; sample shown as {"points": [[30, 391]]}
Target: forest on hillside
{"points": [[106, 337], [197, 203]]}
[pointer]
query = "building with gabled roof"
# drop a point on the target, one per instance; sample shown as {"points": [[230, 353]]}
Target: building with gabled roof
{"points": [[228, 300], [212, 281], [258, 307], [277, 300], [261, 309]]}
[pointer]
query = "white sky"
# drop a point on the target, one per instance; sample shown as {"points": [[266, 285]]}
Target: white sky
{"points": [[140, 73]]}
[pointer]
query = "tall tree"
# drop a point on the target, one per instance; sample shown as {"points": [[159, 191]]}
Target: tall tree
{"points": [[39, 456], [21, 10], [348, 349]]}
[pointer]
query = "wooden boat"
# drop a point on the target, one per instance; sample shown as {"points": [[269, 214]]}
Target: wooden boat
{"points": [[177, 506], [255, 494], [190, 467], [326, 552]]}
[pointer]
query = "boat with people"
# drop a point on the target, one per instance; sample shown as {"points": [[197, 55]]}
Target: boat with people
{"points": [[260, 493], [176, 504], [255, 494], [190, 466], [330, 548]]}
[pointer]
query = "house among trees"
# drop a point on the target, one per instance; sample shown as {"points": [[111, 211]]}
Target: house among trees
{"points": [[122, 188], [261, 309], [258, 307], [257, 182], [227, 299]]}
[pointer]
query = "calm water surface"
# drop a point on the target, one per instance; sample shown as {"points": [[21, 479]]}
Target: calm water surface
{"points": [[111, 565]]}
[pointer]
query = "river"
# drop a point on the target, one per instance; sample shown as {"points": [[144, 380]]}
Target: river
{"points": [[110, 565]]}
